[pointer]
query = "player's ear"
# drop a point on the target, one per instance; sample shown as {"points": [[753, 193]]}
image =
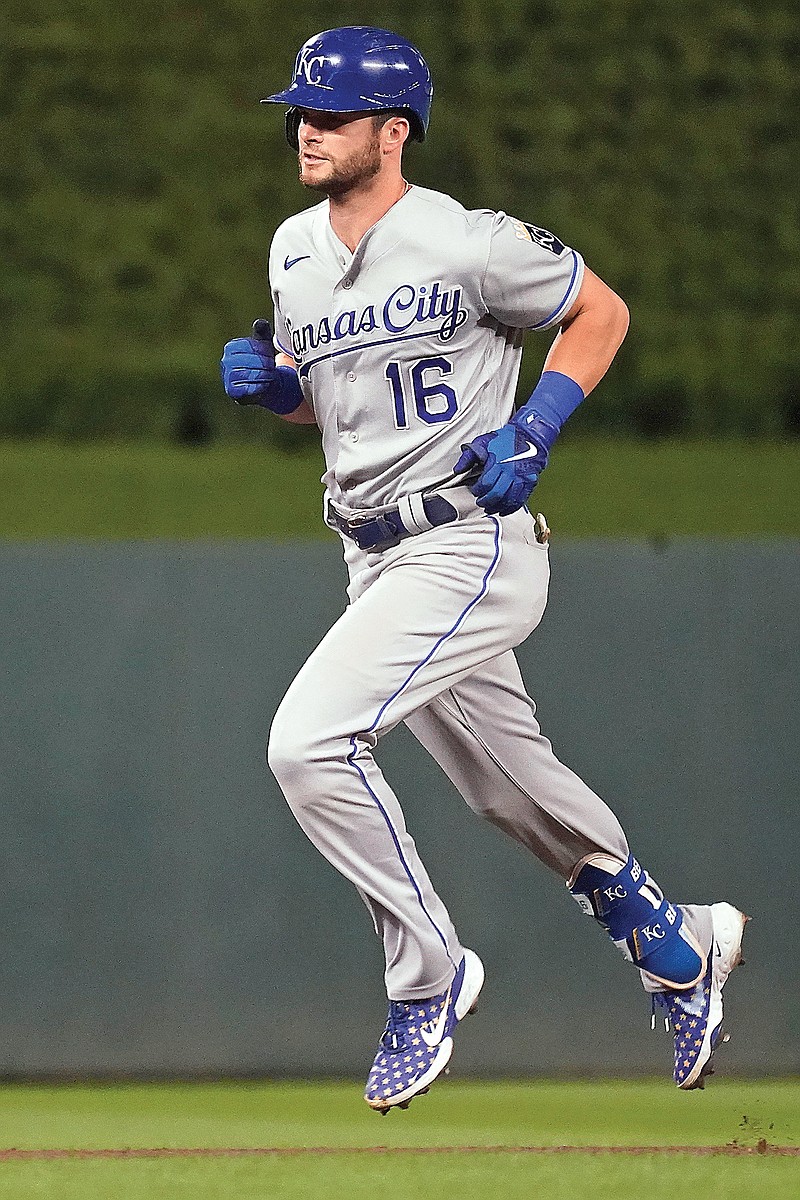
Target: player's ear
{"points": [[395, 133]]}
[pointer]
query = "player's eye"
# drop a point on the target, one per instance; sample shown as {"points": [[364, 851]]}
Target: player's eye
{"points": [[320, 120], [324, 120]]}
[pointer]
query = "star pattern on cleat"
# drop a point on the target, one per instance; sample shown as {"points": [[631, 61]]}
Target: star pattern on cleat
{"points": [[696, 1013], [688, 1013], [403, 1056]]}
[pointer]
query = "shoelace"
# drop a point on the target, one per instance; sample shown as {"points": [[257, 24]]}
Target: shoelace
{"points": [[659, 1000], [394, 1035]]}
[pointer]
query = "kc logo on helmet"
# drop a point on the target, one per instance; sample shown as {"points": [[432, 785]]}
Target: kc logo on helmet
{"points": [[310, 66]]}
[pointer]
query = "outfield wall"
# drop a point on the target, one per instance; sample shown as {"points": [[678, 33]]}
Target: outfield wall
{"points": [[164, 914]]}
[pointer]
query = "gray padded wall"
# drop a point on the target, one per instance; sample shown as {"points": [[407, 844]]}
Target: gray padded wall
{"points": [[162, 913]]}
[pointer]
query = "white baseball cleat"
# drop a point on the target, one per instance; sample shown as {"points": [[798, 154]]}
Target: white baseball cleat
{"points": [[416, 1045], [696, 1015]]}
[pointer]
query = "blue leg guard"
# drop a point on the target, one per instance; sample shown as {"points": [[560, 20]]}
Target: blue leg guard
{"points": [[641, 923]]}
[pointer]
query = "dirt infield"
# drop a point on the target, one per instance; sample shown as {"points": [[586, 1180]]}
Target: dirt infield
{"points": [[731, 1151]]}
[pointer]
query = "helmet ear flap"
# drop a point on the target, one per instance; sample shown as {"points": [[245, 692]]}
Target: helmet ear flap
{"points": [[292, 127], [416, 131]]}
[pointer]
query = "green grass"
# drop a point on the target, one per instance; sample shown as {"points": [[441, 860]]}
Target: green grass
{"points": [[593, 487], [406, 1178], [454, 1115]]}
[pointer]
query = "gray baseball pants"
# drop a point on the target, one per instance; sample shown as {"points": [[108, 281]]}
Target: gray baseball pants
{"points": [[428, 639]]}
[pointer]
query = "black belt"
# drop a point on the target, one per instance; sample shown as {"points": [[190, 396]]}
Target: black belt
{"points": [[387, 530]]}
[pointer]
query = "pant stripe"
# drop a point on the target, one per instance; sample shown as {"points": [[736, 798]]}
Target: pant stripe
{"points": [[398, 848], [484, 585], [354, 751]]}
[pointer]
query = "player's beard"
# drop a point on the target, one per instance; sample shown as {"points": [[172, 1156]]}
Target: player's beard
{"points": [[362, 165]]}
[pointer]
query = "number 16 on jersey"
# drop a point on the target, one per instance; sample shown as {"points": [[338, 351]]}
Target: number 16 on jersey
{"points": [[431, 400]]}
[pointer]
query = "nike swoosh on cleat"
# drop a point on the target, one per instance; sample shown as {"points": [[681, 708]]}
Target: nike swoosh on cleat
{"points": [[437, 1033], [289, 262], [531, 452]]}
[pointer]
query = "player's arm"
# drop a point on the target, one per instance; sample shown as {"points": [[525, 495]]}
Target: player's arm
{"points": [[302, 415], [509, 461], [253, 374], [590, 335]]}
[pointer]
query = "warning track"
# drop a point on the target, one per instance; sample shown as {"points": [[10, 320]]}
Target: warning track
{"points": [[729, 1151]]}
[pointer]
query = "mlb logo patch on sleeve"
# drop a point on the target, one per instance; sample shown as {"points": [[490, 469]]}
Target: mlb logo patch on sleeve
{"points": [[543, 237]]}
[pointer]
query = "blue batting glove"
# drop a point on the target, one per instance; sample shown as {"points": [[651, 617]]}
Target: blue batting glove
{"points": [[510, 461], [248, 367], [250, 376]]}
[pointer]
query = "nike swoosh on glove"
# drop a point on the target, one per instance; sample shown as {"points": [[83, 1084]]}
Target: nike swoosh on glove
{"points": [[510, 460], [248, 369]]}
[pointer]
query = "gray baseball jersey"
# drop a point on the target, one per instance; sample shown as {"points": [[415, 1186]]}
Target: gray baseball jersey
{"points": [[406, 350], [411, 347]]}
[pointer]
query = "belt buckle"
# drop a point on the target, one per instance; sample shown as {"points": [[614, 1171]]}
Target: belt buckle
{"points": [[388, 537]]}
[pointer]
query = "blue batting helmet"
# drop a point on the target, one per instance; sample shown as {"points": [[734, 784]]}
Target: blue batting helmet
{"points": [[357, 69]]}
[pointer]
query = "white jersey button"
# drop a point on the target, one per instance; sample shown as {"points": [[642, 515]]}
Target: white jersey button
{"points": [[347, 283], [353, 436], [351, 375]]}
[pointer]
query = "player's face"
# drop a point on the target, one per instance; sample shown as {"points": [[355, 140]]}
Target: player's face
{"points": [[337, 151]]}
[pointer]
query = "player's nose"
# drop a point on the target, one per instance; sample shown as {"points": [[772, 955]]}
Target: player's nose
{"points": [[307, 131]]}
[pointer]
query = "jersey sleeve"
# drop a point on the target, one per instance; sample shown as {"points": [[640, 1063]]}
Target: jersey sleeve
{"points": [[280, 334], [531, 278]]}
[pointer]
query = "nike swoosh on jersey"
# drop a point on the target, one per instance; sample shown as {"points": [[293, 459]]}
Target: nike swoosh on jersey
{"points": [[288, 263], [433, 1037], [531, 452]]}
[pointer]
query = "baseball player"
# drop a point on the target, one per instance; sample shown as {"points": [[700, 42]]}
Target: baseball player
{"points": [[399, 321]]}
